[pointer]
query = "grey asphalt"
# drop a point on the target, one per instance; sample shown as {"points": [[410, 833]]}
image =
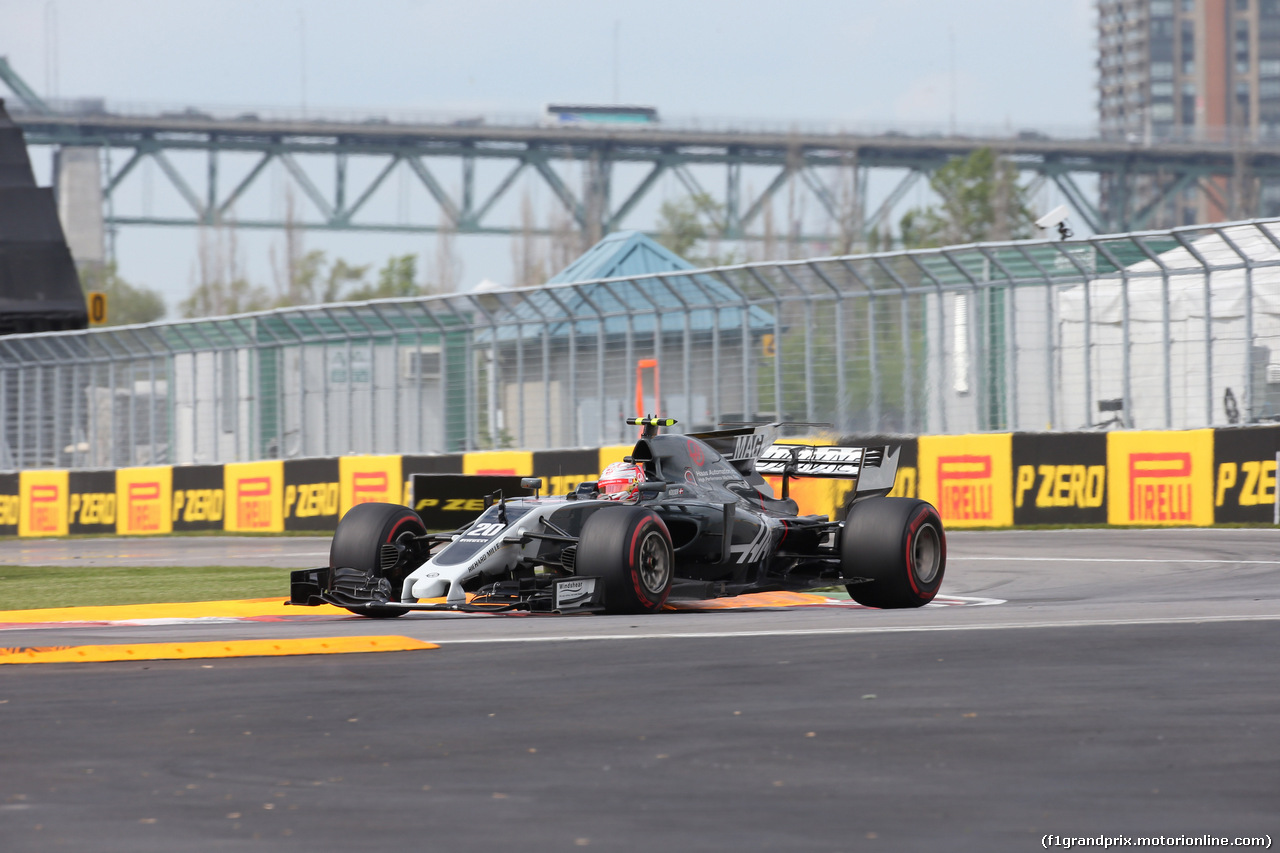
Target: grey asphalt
{"points": [[1127, 686], [285, 551]]}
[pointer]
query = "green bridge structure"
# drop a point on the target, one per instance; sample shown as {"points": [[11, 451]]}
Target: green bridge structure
{"points": [[825, 163]]}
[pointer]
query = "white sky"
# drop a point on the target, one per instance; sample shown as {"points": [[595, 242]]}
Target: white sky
{"points": [[1017, 64]]}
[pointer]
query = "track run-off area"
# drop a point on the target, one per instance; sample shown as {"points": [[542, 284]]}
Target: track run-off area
{"points": [[1074, 684]]}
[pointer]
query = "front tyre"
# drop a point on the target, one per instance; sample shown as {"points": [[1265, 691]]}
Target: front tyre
{"points": [[629, 548], [899, 547], [358, 544]]}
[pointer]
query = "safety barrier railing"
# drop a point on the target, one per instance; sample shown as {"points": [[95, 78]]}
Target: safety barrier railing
{"points": [[1168, 329]]}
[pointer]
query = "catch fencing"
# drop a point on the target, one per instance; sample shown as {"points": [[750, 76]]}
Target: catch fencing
{"points": [[1167, 329]]}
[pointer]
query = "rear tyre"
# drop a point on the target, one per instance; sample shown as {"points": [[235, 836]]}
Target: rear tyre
{"points": [[629, 548], [899, 546], [358, 541]]}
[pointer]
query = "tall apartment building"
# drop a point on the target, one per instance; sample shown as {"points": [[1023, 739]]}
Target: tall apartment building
{"points": [[1189, 69]]}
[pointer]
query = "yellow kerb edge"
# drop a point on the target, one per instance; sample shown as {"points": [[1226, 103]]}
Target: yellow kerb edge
{"points": [[233, 649]]}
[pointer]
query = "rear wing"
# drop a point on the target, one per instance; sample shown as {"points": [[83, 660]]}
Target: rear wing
{"points": [[872, 468]]}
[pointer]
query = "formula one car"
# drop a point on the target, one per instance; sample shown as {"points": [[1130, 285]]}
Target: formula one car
{"points": [[687, 516]]}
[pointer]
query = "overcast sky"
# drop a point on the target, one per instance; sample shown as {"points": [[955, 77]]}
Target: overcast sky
{"points": [[994, 63]]}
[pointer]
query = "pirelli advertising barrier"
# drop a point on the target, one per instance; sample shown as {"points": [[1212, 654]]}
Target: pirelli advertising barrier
{"points": [[1193, 477], [277, 496]]}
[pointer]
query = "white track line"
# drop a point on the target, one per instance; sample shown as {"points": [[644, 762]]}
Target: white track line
{"points": [[881, 629]]}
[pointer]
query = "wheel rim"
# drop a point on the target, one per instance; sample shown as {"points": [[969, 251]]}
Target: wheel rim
{"points": [[926, 554], [654, 566]]}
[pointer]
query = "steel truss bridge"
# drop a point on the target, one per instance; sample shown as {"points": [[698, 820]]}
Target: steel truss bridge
{"points": [[822, 164]]}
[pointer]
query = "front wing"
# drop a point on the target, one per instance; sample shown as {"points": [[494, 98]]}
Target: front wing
{"points": [[357, 590]]}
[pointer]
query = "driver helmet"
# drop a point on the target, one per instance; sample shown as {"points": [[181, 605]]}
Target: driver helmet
{"points": [[620, 481]]}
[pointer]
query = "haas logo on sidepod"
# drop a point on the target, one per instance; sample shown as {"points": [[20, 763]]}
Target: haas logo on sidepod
{"points": [[695, 453]]}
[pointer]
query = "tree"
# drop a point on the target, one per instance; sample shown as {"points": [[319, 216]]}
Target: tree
{"points": [[315, 280], [126, 303], [219, 297], [396, 278], [528, 261], [980, 200], [680, 223], [222, 287], [342, 275], [681, 229], [448, 262]]}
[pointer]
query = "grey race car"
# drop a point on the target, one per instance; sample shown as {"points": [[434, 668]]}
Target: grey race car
{"points": [[703, 524]]}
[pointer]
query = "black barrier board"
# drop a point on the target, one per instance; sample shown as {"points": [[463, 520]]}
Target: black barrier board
{"points": [[1244, 474], [439, 463], [448, 501], [311, 494], [1060, 478], [198, 500], [91, 502], [561, 470], [908, 459], [10, 504]]}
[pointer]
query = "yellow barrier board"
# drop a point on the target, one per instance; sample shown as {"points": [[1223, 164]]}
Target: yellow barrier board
{"points": [[614, 453], [214, 649], [969, 478], [254, 497], [904, 485], [1161, 478], [43, 498], [143, 499], [510, 463], [368, 479]]}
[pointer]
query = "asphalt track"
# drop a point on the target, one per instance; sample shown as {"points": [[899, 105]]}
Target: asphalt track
{"points": [[1126, 686]]}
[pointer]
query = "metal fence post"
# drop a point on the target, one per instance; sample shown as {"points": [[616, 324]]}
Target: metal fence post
{"points": [[938, 290], [1206, 268], [1126, 337], [1166, 337], [807, 305], [572, 325], [777, 343], [1247, 394], [686, 350], [842, 402]]}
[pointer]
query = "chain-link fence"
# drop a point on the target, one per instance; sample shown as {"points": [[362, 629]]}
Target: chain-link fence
{"points": [[1162, 329]]}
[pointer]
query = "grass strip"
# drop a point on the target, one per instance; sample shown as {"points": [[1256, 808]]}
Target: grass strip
{"points": [[34, 587]]}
